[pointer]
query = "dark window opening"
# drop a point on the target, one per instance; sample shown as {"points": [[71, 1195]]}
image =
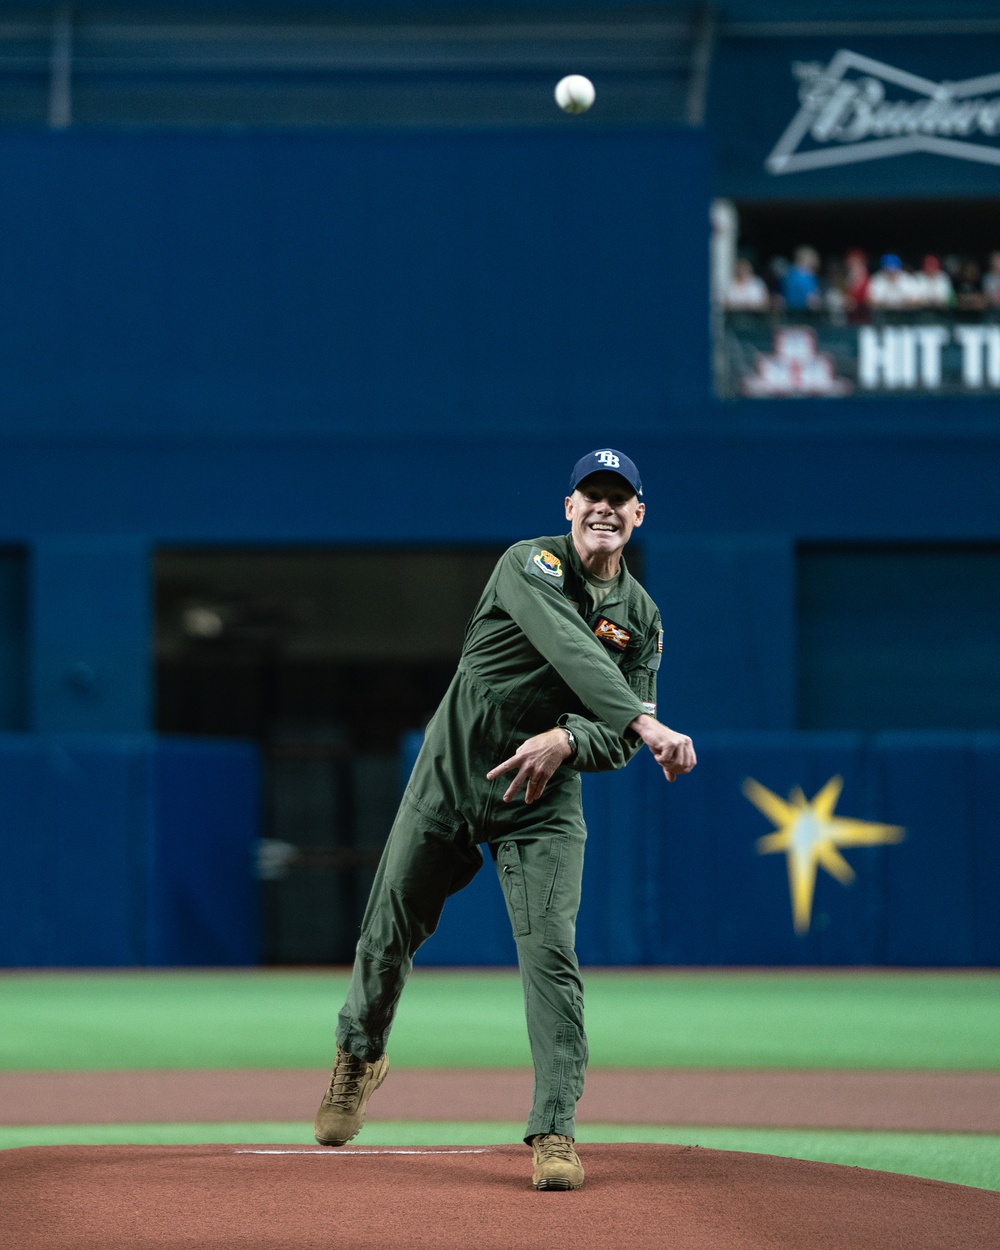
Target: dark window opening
{"points": [[896, 636], [13, 640], [327, 659]]}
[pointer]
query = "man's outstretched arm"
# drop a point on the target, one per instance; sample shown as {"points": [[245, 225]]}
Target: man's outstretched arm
{"points": [[537, 759], [673, 752], [554, 627]]}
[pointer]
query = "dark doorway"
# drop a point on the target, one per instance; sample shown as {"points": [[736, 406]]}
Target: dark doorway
{"points": [[13, 640], [326, 658], [899, 636]]}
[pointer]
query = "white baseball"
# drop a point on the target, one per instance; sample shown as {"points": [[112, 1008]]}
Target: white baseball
{"points": [[574, 93]]}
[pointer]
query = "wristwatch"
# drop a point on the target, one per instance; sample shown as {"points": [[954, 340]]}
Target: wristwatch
{"points": [[573, 744]]}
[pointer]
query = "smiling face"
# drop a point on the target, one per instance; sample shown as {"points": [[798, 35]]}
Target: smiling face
{"points": [[603, 512]]}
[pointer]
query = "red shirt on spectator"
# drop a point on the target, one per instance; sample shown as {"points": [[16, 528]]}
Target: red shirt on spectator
{"points": [[856, 283]]}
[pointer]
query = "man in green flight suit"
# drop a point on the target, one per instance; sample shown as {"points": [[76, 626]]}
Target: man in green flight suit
{"points": [[557, 677]]}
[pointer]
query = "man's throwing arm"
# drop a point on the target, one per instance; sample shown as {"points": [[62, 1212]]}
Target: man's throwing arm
{"points": [[554, 627], [599, 747]]}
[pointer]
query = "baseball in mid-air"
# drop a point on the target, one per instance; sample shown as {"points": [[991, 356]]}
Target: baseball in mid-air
{"points": [[574, 93]]}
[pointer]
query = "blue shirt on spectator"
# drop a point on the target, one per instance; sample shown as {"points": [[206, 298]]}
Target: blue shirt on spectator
{"points": [[798, 287]]}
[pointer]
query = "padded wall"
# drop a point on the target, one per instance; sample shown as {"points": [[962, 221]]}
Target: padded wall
{"points": [[674, 875], [127, 849]]}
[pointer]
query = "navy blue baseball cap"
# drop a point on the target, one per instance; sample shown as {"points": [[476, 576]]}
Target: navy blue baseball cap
{"points": [[606, 461]]}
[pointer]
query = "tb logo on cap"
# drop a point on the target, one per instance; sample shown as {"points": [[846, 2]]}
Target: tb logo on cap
{"points": [[608, 459]]}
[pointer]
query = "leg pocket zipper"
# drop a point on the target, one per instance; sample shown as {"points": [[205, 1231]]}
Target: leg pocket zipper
{"points": [[512, 880]]}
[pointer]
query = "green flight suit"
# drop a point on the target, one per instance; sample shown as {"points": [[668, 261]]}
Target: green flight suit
{"points": [[535, 655]]}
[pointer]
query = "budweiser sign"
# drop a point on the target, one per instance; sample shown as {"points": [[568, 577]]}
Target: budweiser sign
{"points": [[858, 109]]}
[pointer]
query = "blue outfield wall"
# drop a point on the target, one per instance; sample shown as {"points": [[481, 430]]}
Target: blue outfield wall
{"points": [[136, 850], [224, 285], [214, 338], [674, 873], [127, 849]]}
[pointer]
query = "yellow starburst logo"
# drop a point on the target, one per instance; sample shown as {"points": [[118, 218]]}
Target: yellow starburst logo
{"points": [[809, 834]]}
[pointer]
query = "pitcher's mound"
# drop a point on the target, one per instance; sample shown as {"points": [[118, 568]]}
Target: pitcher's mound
{"points": [[636, 1197]]}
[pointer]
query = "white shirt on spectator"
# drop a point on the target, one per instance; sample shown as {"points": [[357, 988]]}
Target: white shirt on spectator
{"points": [[751, 293], [893, 288], [932, 290]]}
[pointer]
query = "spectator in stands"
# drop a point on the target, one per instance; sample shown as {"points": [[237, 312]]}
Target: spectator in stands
{"points": [[834, 291], [800, 286], [951, 264], [891, 288], [774, 276], [969, 295], [931, 286], [856, 284], [991, 282], [746, 292]]}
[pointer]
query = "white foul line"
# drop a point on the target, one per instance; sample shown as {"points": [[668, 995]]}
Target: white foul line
{"points": [[328, 1154]]}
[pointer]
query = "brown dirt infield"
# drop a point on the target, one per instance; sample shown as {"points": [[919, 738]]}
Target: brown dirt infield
{"points": [[907, 1101], [640, 1196]]}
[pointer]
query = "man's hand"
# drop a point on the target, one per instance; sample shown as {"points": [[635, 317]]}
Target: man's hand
{"points": [[673, 752], [535, 760]]}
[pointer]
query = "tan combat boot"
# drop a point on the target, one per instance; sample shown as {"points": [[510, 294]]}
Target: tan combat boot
{"points": [[342, 1111], [556, 1163]]}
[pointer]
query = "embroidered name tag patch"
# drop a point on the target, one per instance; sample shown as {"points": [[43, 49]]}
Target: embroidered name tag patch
{"points": [[545, 562], [611, 634]]}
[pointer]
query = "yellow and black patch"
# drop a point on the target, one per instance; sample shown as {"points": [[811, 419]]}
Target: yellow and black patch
{"points": [[544, 564]]}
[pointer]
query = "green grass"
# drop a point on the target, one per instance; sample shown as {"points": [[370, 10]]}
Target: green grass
{"points": [[122, 1020], [224, 1019], [963, 1158]]}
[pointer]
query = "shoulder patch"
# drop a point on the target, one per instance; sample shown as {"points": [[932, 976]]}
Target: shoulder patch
{"points": [[614, 636], [544, 564]]}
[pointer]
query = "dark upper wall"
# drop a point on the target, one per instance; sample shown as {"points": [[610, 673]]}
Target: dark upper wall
{"points": [[743, 10], [334, 66], [855, 10]]}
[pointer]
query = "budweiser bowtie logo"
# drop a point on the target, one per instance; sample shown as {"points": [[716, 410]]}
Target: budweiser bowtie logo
{"points": [[857, 109]]}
